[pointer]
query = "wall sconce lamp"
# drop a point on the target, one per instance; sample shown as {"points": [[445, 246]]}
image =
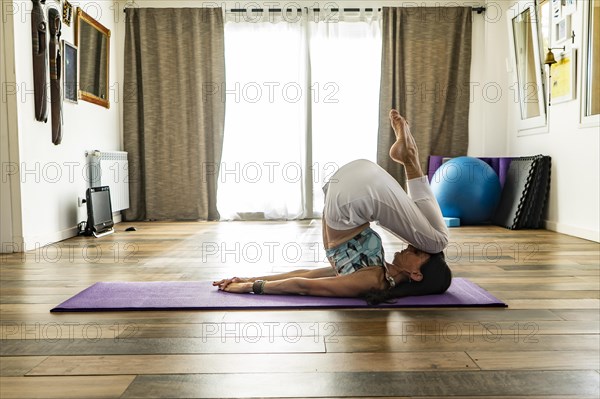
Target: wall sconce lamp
{"points": [[550, 60]]}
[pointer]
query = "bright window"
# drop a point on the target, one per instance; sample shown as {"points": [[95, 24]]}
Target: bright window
{"points": [[302, 100]]}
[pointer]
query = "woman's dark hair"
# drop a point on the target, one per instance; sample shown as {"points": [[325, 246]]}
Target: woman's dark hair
{"points": [[436, 280]]}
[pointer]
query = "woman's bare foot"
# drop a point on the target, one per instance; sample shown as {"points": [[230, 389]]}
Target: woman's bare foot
{"points": [[404, 150]]}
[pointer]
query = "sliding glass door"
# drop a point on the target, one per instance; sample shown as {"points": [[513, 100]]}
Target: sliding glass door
{"points": [[345, 67], [302, 99]]}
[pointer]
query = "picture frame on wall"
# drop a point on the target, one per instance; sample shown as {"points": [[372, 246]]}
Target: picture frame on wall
{"points": [[70, 72], [67, 13], [564, 77], [556, 10], [562, 29]]}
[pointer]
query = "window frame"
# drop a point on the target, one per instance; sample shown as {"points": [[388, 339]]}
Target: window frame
{"points": [[537, 124], [586, 120]]}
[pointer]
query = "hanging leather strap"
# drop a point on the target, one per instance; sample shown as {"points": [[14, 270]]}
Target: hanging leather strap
{"points": [[54, 24], [39, 45]]}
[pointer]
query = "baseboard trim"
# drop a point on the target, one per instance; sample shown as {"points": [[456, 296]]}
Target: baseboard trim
{"points": [[42, 240], [38, 241], [586, 234]]}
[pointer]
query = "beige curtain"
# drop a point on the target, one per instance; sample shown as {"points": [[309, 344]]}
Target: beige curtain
{"points": [[425, 71], [173, 111]]}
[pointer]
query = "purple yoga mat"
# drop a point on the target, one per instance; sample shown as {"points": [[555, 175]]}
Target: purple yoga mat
{"points": [[201, 295]]}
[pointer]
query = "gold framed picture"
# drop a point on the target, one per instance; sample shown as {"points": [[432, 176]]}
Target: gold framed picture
{"points": [[564, 79], [67, 14]]}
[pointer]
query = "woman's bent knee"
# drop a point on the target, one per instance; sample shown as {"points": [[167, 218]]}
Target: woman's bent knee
{"points": [[433, 243]]}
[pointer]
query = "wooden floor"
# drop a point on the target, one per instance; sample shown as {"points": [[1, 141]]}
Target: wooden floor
{"points": [[545, 344]]}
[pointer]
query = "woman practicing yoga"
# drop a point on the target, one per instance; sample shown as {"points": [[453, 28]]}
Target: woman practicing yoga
{"points": [[357, 194]]}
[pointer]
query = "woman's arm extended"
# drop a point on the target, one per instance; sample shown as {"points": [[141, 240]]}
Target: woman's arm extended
{"points": [[304, 273], [350, 285]]}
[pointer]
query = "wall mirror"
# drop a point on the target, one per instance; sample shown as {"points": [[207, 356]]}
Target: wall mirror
{"points": [[591, 64], [530, 86], [93, 42]]}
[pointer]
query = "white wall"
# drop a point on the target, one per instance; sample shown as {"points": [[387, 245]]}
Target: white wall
{"points": [[53, 177], [574, 203]]}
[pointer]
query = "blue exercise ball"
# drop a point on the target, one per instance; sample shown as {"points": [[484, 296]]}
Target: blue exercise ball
{"points": [[467, 188]]}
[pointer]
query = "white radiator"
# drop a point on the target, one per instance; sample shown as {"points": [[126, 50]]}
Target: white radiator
{"points": [[110, 168]]}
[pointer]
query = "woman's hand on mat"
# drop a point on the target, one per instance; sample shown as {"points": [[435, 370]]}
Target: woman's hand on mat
{"points": [[223, 284], [235, 284], [240, 288]]}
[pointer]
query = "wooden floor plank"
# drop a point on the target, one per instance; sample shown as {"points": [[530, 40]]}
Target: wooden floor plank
{"points": [[521, 343], [537, 360], [126, 346], [64, 387], [536, 328], [555, 287], [584, 303], [66, 330], [29, 317], [307, 385], [402, 315], [253, 363], [578, 314], [580, 294], [19, 365]]}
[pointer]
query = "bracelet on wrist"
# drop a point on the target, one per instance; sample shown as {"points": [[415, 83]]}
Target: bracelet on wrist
{"points": [[258, 287]]}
